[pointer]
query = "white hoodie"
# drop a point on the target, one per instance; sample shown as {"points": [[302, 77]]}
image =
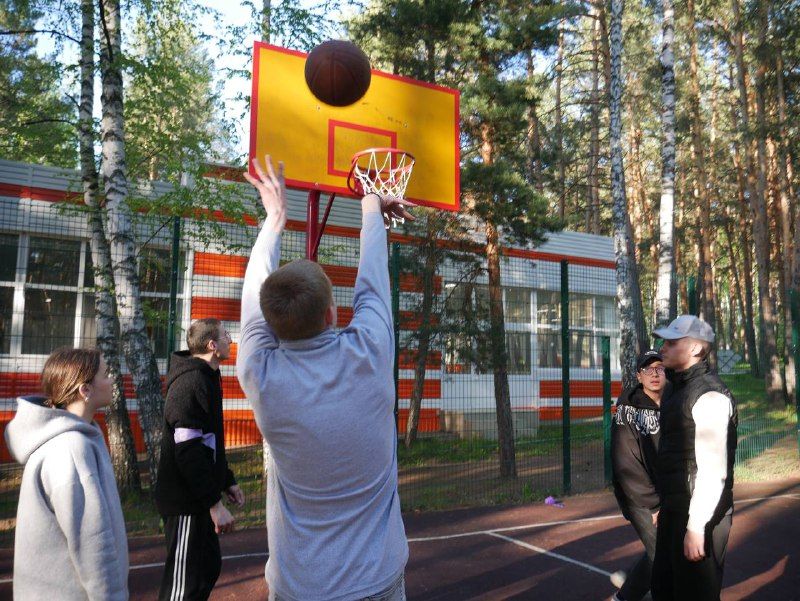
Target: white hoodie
{"points": [[70, 541]]}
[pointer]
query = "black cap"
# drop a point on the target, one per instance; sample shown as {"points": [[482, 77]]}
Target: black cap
{"points": [[648, 357]]}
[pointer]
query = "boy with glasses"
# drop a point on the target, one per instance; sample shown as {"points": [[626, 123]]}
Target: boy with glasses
{"points": [[635, 435]]}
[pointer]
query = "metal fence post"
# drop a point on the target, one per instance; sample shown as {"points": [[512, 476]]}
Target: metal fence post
{"points": [[396, 320], [565, 400], [794, 300], [605, 345], [173, 288]]}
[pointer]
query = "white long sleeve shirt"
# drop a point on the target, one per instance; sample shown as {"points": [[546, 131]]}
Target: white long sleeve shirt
{"points": [[711, 414]]}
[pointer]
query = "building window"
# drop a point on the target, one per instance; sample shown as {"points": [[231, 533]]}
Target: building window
{"points": [[8, 273], [590, 318], [55, 284], [464, 354], [155, 267]]}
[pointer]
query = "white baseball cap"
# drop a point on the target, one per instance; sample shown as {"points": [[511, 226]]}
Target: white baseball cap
{"points": [[686, 326]]}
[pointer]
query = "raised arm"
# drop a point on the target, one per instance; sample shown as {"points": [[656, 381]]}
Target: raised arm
{"points": [[256, 335], [372, 303]]}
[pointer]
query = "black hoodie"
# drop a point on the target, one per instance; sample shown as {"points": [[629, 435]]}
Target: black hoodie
{"points": [[635, 433], [192, 474]]}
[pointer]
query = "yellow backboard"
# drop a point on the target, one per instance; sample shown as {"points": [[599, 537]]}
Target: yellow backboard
{"points": [[316, 141]]}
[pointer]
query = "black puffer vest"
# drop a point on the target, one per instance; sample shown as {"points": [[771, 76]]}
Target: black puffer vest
{"points": [[677, 466]]}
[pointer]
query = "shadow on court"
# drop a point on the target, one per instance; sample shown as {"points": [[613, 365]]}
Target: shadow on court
{"points": [[525, 552]]}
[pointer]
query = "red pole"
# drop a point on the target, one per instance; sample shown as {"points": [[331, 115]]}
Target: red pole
{"points": [[312, 224]]}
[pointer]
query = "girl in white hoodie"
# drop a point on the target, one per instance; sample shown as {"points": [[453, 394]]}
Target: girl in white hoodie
{"points": [[70, 541]]}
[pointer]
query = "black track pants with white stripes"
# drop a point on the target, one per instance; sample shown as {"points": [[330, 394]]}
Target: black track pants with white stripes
{"points": [[193, 558]]}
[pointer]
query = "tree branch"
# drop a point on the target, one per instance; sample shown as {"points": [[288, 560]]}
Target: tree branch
{"points": [[34, 31], [39, 121], [109, 49]]}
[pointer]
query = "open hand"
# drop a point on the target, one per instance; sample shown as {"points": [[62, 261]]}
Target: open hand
{"points": [[395, 208], [271, 188]]}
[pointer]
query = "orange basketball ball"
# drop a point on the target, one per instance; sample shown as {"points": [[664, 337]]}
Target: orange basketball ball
{"points": [[338, 72]]}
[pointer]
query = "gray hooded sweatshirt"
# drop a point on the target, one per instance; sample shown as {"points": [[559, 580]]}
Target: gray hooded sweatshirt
{"points": [[70, 542]]}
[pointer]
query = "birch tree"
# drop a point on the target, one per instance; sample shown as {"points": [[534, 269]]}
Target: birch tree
{"points": [[120, 436], [666, 308], [631, 319], [138, 353]]}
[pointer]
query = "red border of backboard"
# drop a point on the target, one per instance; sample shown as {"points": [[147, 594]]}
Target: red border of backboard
{"points": [[344, 191], [334, 123]]}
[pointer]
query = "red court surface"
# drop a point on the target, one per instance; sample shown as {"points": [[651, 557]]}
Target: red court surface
{"points": [[525, 552]]}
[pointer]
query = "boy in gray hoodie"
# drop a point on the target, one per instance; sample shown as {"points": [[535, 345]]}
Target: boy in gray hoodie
{"points": [[324, 402], [70, 541]]}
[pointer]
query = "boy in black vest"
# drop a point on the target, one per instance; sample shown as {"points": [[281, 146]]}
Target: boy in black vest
{"points": [[695, 467], [193, 472]]}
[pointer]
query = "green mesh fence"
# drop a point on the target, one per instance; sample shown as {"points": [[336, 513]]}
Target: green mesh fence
{"points": [[468, 344]]}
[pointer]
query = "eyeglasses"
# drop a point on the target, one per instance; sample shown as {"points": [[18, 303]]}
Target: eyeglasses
{"points": [[651, 371]]}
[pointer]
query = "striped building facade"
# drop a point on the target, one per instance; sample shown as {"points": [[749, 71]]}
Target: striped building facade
{"points": [[46, 301]]}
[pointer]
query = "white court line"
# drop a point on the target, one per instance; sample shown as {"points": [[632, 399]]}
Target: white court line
{"points": [[600, 518], [586, 566], [494, 532], [425, 539]]}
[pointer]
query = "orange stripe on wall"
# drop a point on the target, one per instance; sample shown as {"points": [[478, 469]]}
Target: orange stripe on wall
{"points": [[432, 389], [232, 266], [428, 420], [300, 226], [226, 309], [240, 430], [408, 359], [551, 389], [14, 384]]}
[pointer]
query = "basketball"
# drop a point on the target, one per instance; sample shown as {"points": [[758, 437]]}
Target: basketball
{"points": [[338, 72]]}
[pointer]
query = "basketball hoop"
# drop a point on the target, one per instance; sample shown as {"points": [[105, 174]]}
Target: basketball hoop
{"points": [[381, 171]]}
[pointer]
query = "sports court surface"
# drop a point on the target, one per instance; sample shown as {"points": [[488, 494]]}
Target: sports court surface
{"points": [[526, 552]]}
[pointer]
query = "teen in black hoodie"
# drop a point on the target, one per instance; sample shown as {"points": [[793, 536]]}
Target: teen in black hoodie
{"points": [[193, 471], [635, 432]]}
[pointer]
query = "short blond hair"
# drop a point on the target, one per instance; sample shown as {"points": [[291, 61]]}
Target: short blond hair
{"points": [[294, 299]]}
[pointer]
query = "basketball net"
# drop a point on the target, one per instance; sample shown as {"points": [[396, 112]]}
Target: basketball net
{"points": [[381, 171]]}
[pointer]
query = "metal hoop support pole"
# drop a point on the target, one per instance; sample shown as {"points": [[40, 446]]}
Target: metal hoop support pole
{"points": [[312, 224]]}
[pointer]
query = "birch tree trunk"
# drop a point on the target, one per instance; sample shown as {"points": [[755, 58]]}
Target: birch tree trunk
{"points": [[120, 436], [772, 375], [560, 186], [628, 294], [592, 180], [266, 21], [666, 292], [136, 346], [534, 138], [701, 177]]}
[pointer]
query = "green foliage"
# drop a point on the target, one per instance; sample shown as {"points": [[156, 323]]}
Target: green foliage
{"points": [[172, 109], [37, 121]]}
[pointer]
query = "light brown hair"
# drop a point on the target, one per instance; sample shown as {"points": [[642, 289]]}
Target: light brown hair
{"points": [[294, 300], [65, 370], [201, 332]]}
